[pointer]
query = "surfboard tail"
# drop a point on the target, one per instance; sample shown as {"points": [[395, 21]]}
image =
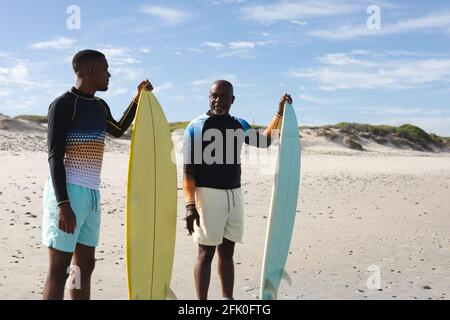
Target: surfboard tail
{"points": [[170, 294], [269, 291], [286, 277]]}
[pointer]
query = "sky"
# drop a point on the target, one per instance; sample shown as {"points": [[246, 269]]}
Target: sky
{"points": [[377, 62]]}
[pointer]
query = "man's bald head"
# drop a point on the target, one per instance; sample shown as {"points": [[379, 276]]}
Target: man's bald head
{"points": [[221, 97], [226, 85]]}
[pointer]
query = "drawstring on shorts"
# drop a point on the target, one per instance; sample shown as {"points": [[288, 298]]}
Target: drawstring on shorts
{"points": [[228, 200]]}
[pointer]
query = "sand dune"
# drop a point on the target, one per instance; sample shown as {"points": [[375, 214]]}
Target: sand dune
{"points": [[16, 125]]}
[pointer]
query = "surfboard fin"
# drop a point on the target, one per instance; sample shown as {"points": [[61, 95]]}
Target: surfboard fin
{"points": [[286, 277], [170, 294], [270, 290]]}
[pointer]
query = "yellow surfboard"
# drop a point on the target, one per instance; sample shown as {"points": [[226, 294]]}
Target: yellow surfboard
{"points": [[151, 204]]}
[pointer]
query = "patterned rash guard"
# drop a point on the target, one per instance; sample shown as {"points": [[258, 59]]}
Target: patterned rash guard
{"points": [[77, 124]]}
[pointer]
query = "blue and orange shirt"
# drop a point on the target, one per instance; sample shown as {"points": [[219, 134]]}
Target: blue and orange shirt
{"points": [[212, 151], [77, 125]]}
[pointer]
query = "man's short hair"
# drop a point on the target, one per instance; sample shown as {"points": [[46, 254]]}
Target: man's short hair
{"points": [[224, 83], [85, 56]]}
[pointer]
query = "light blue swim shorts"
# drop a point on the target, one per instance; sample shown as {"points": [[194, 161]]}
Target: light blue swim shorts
{"points": [[85, 204]]}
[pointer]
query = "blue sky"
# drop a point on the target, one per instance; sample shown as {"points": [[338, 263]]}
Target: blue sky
{"points": [[321, 51]]}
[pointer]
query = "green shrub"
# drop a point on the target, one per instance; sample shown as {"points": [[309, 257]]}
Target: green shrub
{"points": [[410, 131]]}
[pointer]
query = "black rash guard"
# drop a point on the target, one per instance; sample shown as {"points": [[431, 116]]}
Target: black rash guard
{"points": [[220, 167], [77, 123]]}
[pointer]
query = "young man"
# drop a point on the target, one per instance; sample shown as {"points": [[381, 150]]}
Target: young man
{"points": [[212, 183], [77, 124]]}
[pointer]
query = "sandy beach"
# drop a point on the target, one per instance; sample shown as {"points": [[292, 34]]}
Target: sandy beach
{"points": [[381, 207]]}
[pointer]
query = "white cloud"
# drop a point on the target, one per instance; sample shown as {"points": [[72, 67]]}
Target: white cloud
{"points": [[208, 81], [242, 49], [56, 43], [265, 43], [435, 21], [401, 111], [129, 60], [409, 111], [127, 73], [341, 59], [205, 83], [19, 73], [22, 103], [310, 98], [15, 74], [178, 98], [299, 23], [169, 16], [305, 96], [346, 71], [295, 10], [164, 87], [114, 52], [119, 91], [195, 50], [241, 45], [145, 50], [5, 93], [119, 56], [201, 82], [219, 2], [21, 79], [214, 45], [244, 53], [404, 53], [261, 34]]}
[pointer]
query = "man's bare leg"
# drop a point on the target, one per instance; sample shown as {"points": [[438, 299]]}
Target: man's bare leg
{"points": [[202, 270], [59, 262], [84, 260], [226, 267]]}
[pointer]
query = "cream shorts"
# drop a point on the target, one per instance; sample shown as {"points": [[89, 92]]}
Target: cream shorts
{"points": [[221, 216]]}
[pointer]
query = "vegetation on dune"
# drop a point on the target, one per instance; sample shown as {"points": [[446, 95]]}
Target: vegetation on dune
{"points": [[178, 125], [379, 130], [410, 131], [406, 131], [39, 119]]}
